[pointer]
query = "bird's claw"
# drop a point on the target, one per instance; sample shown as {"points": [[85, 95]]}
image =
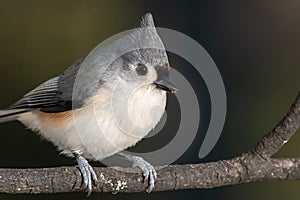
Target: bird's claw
{"points": [[149, 173], [88, 174]]}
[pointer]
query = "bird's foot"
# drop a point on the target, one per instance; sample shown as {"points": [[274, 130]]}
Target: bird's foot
{"points": [[149, 173], [88, 174], [148, 170]]}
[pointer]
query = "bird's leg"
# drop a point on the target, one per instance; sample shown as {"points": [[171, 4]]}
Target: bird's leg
{"points": [[87, 172], [149, 172]]}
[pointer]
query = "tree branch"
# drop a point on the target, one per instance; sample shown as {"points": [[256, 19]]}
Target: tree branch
{"points": [[255, 165]]}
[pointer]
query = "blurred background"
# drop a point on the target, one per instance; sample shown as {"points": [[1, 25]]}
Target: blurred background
{"points": [[255, 45]]}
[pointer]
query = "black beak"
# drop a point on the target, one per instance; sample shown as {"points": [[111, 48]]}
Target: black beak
{"points": [[166, 84]]}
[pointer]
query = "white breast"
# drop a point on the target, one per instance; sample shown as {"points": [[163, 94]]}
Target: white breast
{"points": [[109, 123]]}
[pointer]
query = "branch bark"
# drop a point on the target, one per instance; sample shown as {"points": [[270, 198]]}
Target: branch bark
{"points": [[254, 165]]}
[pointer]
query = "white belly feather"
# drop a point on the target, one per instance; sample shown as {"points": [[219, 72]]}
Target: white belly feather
{"points": [[106, 125]]}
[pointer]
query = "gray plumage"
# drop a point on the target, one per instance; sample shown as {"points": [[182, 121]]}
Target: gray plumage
{"points": [[12, 114], [55, 95]]}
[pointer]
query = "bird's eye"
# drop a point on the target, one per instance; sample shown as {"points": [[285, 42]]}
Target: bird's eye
{"points": [[141, 69]]}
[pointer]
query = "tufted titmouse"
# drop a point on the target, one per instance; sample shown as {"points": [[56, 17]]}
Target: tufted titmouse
{"points": [[97, 109]]}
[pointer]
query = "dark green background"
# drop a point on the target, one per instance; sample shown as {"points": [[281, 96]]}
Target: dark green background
{"points": [[255, 45]]}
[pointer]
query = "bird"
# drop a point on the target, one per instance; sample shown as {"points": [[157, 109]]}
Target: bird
{"points": [[104, 103]]}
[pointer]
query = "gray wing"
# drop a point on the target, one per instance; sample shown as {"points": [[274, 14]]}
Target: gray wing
{"points": [[55, 95]]}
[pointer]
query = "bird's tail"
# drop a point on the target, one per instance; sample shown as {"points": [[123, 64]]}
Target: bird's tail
{"points": [[9, 115]]}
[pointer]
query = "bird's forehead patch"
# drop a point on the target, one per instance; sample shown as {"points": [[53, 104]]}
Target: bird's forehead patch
{"points": [[150, 56]]}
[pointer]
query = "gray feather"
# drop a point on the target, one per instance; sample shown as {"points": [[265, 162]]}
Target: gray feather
{"points": [[55, 95], [9, 115], [147, 21]]}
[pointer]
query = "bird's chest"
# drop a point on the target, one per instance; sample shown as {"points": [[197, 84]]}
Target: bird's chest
{"points": [[126, 119], [121, 121]]}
